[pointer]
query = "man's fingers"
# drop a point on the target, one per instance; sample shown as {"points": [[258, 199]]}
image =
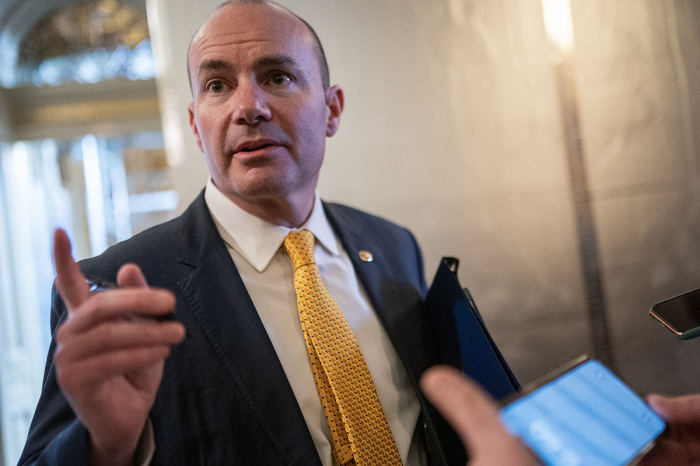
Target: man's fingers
{"points": [[122, 303], [120, 336], [680, 409], [70, 282], [101, 367], [130, 276]]}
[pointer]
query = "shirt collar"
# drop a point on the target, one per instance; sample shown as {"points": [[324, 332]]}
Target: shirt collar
{"points": [[257, 240]]}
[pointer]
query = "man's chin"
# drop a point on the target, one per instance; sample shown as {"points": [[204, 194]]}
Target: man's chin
{"points": [[260, 191], [266, 186]]}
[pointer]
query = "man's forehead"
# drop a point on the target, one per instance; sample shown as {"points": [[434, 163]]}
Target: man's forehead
{"points": [[263, 23]]}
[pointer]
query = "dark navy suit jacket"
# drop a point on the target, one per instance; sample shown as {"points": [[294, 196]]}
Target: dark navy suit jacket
{"points": [[224, 397]]}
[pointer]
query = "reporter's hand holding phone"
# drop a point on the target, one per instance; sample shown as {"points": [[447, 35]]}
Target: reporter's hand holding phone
{"points": [[680, 443], [474, 415], [109, 366]]}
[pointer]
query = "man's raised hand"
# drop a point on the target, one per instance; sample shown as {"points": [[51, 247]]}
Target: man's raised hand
{"points": [[109, 364]]}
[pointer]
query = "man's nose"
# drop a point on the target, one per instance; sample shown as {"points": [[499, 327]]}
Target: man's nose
{"points": [[250, 104]]}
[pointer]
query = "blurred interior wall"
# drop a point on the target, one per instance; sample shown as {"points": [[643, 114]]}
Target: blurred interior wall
{"points": [[4, 137], [452, 128], [639, 82]]}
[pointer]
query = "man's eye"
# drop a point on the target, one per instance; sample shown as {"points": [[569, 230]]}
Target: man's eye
{"points": [[280, 78], [216, 86]]}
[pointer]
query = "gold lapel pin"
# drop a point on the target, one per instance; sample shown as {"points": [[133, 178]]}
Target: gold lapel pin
{"points": [[366, 256]]}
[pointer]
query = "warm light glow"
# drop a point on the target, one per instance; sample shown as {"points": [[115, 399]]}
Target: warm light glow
{"points": [[558, 23], [165, 70], [94, 195]]}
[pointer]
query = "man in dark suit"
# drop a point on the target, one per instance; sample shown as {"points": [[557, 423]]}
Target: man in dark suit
{"points": [[237, 387]]}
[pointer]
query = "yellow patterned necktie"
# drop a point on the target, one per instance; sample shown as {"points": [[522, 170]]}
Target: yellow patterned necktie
{"points": [[356, 419]]}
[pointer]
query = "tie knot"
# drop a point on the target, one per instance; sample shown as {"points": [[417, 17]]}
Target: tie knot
{"points": [[300, 247]]}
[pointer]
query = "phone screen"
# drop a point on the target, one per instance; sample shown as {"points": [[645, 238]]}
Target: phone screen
{"points": [[587, 416], [680, 314]]}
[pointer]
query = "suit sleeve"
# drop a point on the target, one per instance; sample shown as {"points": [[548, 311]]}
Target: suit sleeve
{"points": [[56, 436]]}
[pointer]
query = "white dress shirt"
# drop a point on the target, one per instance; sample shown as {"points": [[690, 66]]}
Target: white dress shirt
{"points": [[256, 248]]}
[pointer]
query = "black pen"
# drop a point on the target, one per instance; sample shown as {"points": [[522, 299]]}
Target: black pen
{"points": [[99, 284]]}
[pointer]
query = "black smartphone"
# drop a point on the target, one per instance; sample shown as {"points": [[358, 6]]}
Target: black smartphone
{"points": [[680, 314], [99, 284], [584, 416]]}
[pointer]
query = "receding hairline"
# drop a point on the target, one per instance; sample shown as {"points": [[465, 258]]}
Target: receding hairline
{"points": [[318, 48]]}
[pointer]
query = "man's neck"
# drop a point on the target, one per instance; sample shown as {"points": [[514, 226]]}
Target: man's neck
{"points": [[290, 212]]}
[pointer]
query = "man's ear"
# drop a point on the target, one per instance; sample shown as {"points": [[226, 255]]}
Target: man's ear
{"points": [[335, 103], [193, 125]]}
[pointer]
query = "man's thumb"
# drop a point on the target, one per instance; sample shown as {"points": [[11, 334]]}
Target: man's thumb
{"points": [[474, 415], [680, 409], [130, 276], [463, 403]]}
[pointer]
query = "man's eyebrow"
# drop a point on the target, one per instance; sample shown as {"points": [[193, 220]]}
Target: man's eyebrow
{"points": [[262, 62], [277, 60], [208, 65]]}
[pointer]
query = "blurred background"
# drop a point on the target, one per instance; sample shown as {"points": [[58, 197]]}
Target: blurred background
{"points": [[553, 146]]}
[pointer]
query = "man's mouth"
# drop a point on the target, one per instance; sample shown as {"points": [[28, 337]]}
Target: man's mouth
{"points": [[252, 146]]}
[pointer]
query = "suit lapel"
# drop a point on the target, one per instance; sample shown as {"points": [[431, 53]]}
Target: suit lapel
{"points": [[399, 306], [394, 300], [218, 298]]}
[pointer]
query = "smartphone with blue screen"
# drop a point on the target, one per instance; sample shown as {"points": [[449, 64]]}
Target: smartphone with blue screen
{"points": [[585, 416]]}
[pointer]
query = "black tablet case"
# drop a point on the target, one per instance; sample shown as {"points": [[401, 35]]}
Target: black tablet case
{"points": [[464, 341]]}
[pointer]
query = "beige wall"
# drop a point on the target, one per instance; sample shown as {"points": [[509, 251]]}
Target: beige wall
{"points": [[639, 77], [452, 128]]}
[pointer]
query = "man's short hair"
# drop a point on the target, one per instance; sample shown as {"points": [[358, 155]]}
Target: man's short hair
{"points": [[318, 48]]}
